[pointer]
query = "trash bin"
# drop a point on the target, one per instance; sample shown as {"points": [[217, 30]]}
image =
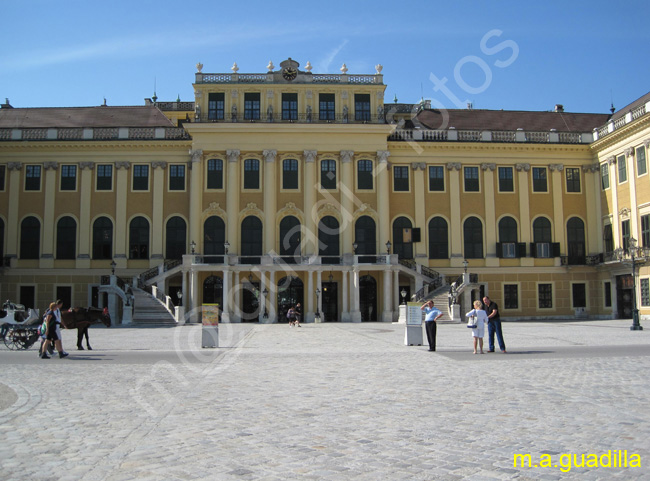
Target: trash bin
{"points": [[210, 329], [413, 333]]}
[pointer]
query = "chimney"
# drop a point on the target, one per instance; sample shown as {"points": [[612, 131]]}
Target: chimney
{"points": [[559, 108], [6, 105]]}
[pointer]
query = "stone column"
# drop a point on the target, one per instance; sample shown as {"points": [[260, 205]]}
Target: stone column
{"points": [[121, 228], [270, 199], [345, 313], [85, 191], [227, 287], [634, 214], [157, 217], [383, 204], [236, 298], [13, 225], [347, 199], [273, 297], [455, 227], [613, 186], [196, 195], [309, 190], [232, 201], [356, 308], [47, 252], [524, 210], [396, 296], [309, 315], [195, 305], [387, 314], [185, 295], [319, 298], [490, 215], [558, 204], [594, 227]]}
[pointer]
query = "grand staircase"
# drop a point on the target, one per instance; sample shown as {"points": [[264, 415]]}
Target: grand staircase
{"points": [[149, 311]]}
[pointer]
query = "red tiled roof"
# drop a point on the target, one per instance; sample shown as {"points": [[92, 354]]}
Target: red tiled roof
{"points": [[471, 119], [87, 117]]}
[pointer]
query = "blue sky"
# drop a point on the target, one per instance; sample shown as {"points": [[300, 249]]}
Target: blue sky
{"points": [[512, 55]]}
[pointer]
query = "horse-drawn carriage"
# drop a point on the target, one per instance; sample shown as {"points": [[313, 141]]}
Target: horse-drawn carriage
{"points": [[19, 326], [23, 334]]}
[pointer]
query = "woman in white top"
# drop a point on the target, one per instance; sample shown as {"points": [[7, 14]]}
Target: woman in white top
{"points": [[479, 317]]}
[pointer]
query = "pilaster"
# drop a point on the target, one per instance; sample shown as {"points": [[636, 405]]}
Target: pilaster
{"points": [[347, 198], [85, 192], [270, 199], [157, 218], [13, 227], [558, 204], [419, 190], [491, 259], [232, 201], [309, 192], [524, 209], [121, 194], [47, 253], [196, 194], [383, 204], [454, 219]]}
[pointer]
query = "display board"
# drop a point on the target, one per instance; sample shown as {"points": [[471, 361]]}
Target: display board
{"points": [[413, 314]]}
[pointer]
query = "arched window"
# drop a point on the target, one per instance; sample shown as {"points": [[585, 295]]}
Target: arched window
{"points": [[251, 240], [139, 238], [213, 290], [365, 236], [507, 245], [102, 238], [30, 238], [473, 238], [404, 250], [66, 238], [368, 298], [176, 235], [542, 237], [290, 239], [328, 240], [576, 241], [214, 236], [438, 239]]}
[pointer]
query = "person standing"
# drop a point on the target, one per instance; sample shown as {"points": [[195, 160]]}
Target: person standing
{"points": [[53, 332], [494, 324], [479, 318], [431, 315]]}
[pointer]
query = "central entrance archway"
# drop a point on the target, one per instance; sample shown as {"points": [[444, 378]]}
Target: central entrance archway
{"points": [[290, 293], [368, 298]]}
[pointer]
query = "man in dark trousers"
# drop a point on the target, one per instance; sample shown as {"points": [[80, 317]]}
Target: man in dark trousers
{"points": [[494, 324], [432, 314]]}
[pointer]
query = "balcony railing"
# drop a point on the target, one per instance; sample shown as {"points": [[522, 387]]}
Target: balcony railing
{"points": [[85, 134], [304, 77], [291, 118], [495, 136]]}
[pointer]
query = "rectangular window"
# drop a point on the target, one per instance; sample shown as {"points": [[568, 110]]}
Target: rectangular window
{"points": [[539, 179], [33, 177], [645, 292], [572, 179], [471, 179], [625, 234], [436, 179], [543, 250], [176, 177], [364, 175], [579, 295], [362, 107], [140, 177], [622, 169], [641, 164], [400, 178], [510, 296], [289, 174], [289, 106], [104, 177], [251, 174], [645, 230], [328, 174], [545, 296], [604, 176], [68, 177], [506, 183], [215, 106], [3, 170], [215, 174], [252, 106], [607, 286], [508, 250], [326, 107]]}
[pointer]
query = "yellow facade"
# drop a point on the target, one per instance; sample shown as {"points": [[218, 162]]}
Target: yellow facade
{"points": [[259, 161]]}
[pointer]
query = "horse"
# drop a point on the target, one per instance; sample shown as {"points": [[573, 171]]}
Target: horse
{"points": [[80, 318]]}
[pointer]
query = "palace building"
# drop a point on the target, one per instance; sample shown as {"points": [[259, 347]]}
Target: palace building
{"points": [[285, 187]]}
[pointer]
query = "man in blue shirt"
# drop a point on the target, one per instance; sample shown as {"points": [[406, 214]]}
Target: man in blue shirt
{"points": [[432, 314]]}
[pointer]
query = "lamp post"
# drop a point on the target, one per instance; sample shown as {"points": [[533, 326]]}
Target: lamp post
{"points": [[193, 246], [113, 264], [465, 264], [265, 293], [388, 246], [317, 303], [403, 295], [634, 253], [355, 246], [226, 245], [179, 294]]}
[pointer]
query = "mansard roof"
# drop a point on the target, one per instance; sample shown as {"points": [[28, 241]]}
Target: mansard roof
{"points": [[87, 117], [474, 119]]}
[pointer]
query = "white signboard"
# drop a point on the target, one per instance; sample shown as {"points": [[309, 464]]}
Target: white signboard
{"points": [[413, 314]]}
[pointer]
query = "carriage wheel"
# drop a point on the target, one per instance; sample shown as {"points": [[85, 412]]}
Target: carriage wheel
{"points": [[12, 340]]}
